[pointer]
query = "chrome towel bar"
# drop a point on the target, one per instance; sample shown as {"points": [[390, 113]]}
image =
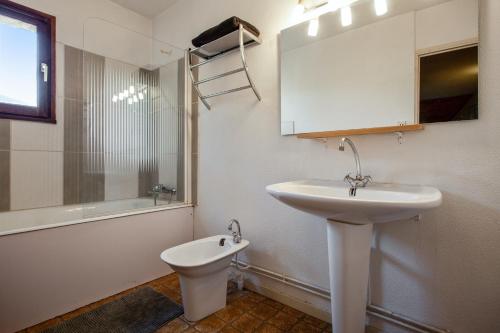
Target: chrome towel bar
{"points": [[218, 49]]}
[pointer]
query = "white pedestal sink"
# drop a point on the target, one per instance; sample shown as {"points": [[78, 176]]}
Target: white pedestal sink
{"points": [[349, 229]]}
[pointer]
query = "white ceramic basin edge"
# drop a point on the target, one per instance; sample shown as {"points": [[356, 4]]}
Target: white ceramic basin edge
{"points": [[376, 203]]}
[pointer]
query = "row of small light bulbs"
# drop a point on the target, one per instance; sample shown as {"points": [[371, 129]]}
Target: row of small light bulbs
{"points": [[129, 95], [345, 13]]}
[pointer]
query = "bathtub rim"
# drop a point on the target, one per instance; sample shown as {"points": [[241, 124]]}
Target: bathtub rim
{"points": [[95, 219]]}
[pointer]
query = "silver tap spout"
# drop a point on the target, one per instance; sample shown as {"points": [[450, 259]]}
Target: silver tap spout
{"points": [[237, 233], [359, 180], [355, 152]]}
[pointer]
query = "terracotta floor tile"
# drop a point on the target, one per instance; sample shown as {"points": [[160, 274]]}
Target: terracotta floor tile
{"points": [[210, 324], [255, 297], [229, 329], [283, 320], [328, 328], [43, 326], [170, 293], [76, 313], [303, 327], [174, 326], [247, 311], [239, 294], [273, 303], [293, 312], [247, 323], [263, 311], [314, 321], [244, 304], [230, 313], [267, 328], [190, 330]]}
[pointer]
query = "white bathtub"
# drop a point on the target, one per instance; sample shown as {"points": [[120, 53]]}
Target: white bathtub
{"points": [[52, 262], [51, 217]]}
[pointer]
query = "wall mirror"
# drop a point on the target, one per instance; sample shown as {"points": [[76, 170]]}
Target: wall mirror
{"points": [[359, 73]]}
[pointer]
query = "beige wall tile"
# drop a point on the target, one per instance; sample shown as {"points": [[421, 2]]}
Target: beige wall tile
{"points": [[36, 179], [4, 134], [4, 180], [30, 135]]}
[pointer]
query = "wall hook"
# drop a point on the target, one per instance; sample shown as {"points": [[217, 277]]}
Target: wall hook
{"points": [[400, 136]]}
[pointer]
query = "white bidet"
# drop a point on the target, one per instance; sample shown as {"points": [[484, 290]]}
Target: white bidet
{"points": [[203, 266]]}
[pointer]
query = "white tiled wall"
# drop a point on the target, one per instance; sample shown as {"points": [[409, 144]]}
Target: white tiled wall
{"points": [[35, 136], [36, 179]]}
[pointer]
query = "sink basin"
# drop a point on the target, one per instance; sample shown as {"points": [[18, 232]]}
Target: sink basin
{"points": [[376, 203], [349, 231]]}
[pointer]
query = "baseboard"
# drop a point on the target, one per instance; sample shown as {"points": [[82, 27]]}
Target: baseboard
{"points": [[305, 302]]}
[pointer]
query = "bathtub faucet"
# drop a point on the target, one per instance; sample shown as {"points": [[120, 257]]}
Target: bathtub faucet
{"points": [[236, 234], [159, 189]]}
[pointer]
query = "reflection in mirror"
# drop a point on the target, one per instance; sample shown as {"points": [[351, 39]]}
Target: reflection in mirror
{"points": [[449, 85], [362, 77]]}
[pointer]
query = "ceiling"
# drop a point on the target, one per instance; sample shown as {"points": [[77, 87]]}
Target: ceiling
{"points": [[148, 8]]}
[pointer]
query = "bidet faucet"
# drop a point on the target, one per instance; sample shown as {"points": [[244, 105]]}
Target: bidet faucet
{"points": [[359, 180], [237, 233]]}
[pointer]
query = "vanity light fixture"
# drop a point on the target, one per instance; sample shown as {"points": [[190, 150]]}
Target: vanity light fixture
{"points": [[299, 9], [346, 16], [380, 7], [313, 27]]}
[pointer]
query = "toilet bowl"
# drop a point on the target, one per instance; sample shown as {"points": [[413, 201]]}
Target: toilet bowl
{"points": [[203, 267]]}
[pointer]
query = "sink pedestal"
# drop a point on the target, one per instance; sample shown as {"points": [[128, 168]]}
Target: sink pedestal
{"points": [[349, 257], [349, 241]]}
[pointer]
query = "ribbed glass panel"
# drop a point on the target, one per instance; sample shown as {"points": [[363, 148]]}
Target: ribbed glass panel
{"points": [[132, 131]]}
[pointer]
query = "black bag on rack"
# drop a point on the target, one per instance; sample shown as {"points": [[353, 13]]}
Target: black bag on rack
{"points": [[222, 29]]}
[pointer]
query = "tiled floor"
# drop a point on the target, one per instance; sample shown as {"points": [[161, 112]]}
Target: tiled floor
{"points": [[246, 311]]}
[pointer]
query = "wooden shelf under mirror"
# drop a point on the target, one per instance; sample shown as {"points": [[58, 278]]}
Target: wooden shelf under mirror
{"points": [[361, 131]]}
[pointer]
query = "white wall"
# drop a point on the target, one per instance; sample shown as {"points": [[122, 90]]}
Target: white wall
{"points": [[50, 272], [73, 15], [444, 270]]}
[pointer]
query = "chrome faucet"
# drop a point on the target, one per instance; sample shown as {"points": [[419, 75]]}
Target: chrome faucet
{"points": [[236, 234], [158, 189], [359, 180]]}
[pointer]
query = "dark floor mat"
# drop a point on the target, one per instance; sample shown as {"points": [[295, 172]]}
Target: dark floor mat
{"points": [[143, 311]]}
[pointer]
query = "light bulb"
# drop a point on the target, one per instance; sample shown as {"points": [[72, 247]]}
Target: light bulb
{"points": [[129, 100], [115, 98], [298, 10], [125, 93], [135, 99], [131, 90], [141, 95], [380, 7], [313, 27], [346, 16], [120, 96]]}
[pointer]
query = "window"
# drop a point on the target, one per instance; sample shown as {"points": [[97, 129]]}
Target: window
{"points": [[27, 63]]}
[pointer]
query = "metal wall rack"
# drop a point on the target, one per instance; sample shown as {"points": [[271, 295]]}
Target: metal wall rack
{"points": [[236, 41]]}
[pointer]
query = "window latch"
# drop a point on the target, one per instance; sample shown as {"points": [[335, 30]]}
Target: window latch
{"points": [[45, 71]]}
